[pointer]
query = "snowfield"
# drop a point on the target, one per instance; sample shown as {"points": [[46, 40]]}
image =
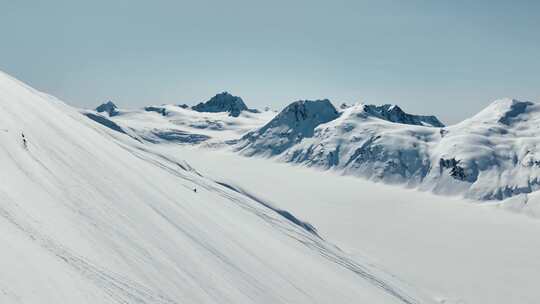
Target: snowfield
{"points": [[462, 251], [91, 215], [154, 205]]}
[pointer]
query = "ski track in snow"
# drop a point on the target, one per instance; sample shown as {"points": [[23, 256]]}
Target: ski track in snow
{"points": [[314, 242], [302, 232], [118, 288]]}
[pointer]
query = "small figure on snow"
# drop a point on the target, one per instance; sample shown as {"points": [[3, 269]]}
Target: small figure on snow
{"points": [[195, 190], [25, 144]]}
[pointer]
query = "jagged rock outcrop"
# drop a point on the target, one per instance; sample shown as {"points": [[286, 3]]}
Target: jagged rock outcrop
{"points": [[223, 102], [108, 107], [157, 109], [456, 171], [395, 114]]}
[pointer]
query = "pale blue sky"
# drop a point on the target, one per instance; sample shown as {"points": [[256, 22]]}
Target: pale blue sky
{"points": [[449, 58]]}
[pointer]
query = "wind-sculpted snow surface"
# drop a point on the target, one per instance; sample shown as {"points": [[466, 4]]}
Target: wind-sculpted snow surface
{"points": [[89, 215], [492, 155]]}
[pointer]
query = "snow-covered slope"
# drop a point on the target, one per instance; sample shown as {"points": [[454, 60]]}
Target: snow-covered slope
{"points": [[89, 215], [465, 252], [489, 156], [295, 122], [493, 155]]}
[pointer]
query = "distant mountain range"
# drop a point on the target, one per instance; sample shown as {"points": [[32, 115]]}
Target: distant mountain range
{"points": [[491, 156]]}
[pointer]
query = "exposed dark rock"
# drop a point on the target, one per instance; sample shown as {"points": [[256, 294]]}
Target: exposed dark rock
{"points": [[223, 102], [178, 137], [104, 121], [516, 109], [456, 171], [394, 113], [159, 110], [108, 107]]}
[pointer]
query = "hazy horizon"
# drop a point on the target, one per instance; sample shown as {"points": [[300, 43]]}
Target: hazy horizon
{"points": [[444, 59]]}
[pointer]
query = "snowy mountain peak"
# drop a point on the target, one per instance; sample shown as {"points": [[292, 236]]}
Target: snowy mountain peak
{"points": [[297, 121], [315, 111], [301, 117], [394, 113], [108, 107], [506, 111], [223, 102]]}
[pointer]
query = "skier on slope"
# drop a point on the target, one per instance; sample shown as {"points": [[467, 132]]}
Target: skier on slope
{"points": [[25, 145]]}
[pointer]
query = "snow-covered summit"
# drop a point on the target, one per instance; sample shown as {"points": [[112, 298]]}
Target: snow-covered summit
{"points": [[223, 102], [303, 116], [505, 111], [296, 121], [494, 153]]}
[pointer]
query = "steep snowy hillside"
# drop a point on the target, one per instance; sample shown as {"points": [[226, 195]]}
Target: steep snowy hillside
{"points": [[89, 215], [490, 156], [178, 124]]}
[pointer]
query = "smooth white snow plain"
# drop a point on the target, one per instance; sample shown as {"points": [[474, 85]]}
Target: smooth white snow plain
{"points": [[462, 251]]}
